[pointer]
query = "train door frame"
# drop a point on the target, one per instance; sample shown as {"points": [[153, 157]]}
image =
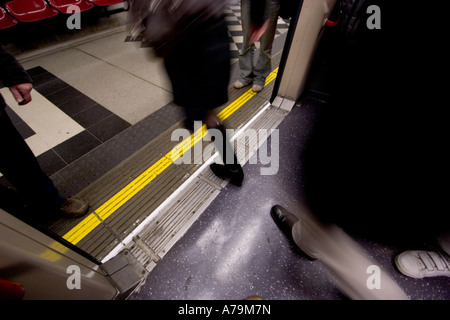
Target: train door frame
{"points": [[300, 46]]}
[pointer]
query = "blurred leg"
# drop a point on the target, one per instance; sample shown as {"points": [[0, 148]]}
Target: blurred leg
{"points": [[264, 66], [247, 52], [344, 258], [19, 165]]}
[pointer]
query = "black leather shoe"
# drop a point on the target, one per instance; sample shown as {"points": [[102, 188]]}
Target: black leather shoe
{"points": [[234, 173], [283, 219]]}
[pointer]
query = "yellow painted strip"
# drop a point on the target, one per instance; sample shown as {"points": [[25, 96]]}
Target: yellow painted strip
{"points": [[109, 207], [228, 111], [82, 229]]}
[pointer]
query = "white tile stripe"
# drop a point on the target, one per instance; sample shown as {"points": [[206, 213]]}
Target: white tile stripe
{"points": [[51, 125]]}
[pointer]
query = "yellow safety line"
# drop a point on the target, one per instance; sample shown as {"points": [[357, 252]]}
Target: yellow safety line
{"points": [[77, 233]]}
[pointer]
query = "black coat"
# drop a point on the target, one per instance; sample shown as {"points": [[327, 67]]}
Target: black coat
{"points": [[199, 69]]}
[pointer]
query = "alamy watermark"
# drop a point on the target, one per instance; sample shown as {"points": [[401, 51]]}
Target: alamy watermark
{"points": [[374, 20], [374, 280], [74, 20], [74, 280], [191, 149]]}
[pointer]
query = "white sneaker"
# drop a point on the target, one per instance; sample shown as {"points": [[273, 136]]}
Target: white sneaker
{"points": [[422, 264], [238, 84], [257, 87]]}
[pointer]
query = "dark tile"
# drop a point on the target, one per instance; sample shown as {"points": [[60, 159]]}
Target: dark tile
{"points": [[149, 128], [91, 115], [24, 130], [233, 23], [42, 78], [13, 116], [36, 71], [108, 128], [64, 95], [76, 146], [73, 104], [84, 171], [50, 162], [64, 188], [237, 33], [51, 87]]}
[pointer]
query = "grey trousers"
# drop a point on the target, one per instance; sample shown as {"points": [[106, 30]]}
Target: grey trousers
{"points": [[251, 71]]}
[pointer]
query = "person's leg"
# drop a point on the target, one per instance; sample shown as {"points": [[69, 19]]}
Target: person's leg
{"points": [[246, 54], [231, 169], [21, 168], [346, 260], [341, 254], [264, 66], [10, 201]]}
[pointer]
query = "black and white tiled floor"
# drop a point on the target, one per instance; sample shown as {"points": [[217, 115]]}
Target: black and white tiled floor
{"points": [[86, 123]]}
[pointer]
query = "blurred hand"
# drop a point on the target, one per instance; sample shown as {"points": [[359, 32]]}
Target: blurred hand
{"points": [[257, 32], [22, 92]]}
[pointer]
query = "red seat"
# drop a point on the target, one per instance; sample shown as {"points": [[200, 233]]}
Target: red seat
{"points": [[30, 10], [62, 5], [6, 20], [104, 3]]}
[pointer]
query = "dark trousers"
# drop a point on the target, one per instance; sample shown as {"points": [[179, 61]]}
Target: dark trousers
{"points": [[21, 168], [199, 69]]}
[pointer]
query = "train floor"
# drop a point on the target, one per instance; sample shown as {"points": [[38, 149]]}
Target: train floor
{"points": [[99, 99], [234, 250]]}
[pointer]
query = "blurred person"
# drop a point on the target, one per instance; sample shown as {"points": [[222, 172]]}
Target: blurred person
{"points": [[373, 165], [259, 22], [18, 164], [198, 65], [199, 71]]}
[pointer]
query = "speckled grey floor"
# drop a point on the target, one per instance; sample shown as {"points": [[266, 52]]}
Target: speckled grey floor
{"points": [[234, 250]]}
